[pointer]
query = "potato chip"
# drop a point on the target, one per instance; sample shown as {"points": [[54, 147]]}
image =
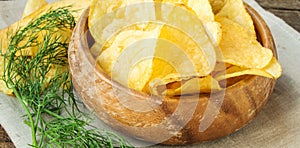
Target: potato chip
{"points": [[96, 50], [107, 18], [236, 71], [238, 48], [174, 84], [123, 40], [196, 85], [169, 58], [235, 11], [203, 10], [217, 5], [214, 31], [128, 49], [177, 57], [220, 66], [3, 87], [273, 68], [159, 72], [176, 52], [189, 50], [33, 5], [139, 75], [171, 81], [184, 30]]}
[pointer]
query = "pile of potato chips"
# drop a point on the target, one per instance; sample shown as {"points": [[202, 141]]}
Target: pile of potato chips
{"points": [[195, 45], [201, 43]]}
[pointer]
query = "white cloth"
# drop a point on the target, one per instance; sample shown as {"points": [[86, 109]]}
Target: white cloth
{"points": [[277, 125]]}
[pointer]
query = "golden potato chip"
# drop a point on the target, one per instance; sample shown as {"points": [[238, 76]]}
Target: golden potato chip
{"points": [[189, 48], [238, 48], [220, 66], [96, 50], [33, 5], [176, 52], [236, 71], [195, 85], [3, 87], [220, 69], [273, 68], [107, 18], [160, 69], [174, 84], [214, 31], [203, 10], [123, 40], [190, 36], [217, 5], [128, 55], [139, 75], [235, 11]]}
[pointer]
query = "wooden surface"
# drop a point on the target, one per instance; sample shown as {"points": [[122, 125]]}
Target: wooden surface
{"points": [[5, 142], [288, 10]]}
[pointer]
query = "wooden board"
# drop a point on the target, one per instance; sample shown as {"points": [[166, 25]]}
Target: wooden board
{"points": [[288, 10]]}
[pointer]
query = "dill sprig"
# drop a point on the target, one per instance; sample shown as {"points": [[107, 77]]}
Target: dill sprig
{"points": [[42, 84]]}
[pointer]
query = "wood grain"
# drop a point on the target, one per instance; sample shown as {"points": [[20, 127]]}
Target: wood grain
{"points": [[5, 141], [289, 16], [280, 4], [288, 10]]}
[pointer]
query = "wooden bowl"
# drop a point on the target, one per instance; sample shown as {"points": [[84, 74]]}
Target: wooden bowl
{"points": [[173, 120]]}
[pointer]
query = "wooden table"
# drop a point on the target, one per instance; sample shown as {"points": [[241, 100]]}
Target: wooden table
{"points": [[288, 10]]}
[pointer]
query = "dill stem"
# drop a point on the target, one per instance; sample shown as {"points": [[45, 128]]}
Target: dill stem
{"points": [[32, 126], [53, 114]]}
